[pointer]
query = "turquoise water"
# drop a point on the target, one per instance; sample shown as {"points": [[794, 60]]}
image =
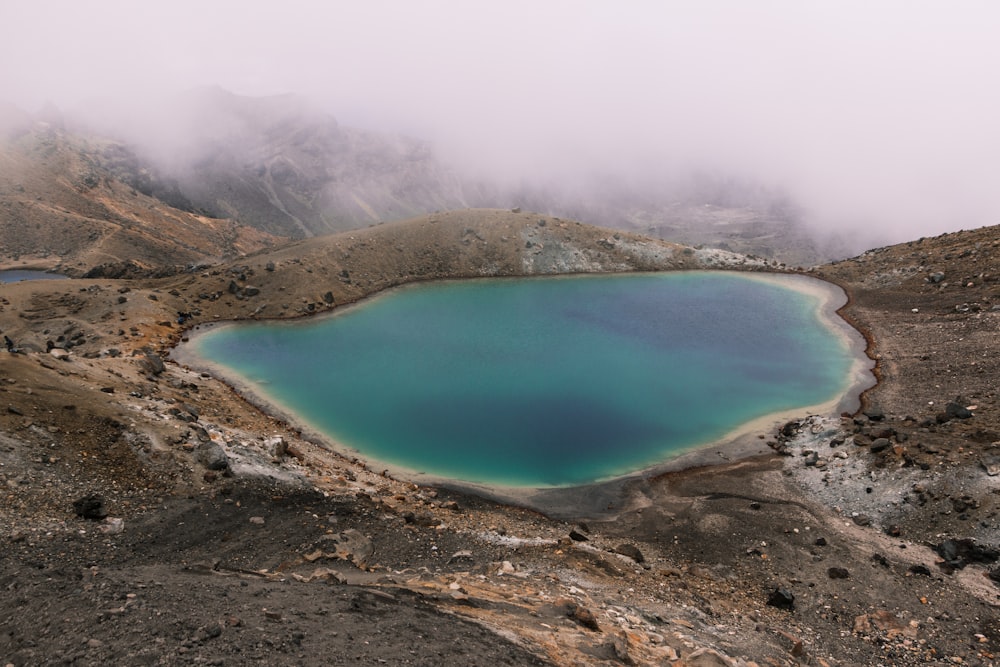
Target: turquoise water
{"points": [[544, 382]]}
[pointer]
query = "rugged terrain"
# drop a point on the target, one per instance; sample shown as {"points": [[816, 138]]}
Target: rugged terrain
{"points": [[151, 516]]}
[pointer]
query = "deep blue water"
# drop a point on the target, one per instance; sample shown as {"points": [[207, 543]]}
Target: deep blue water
{"points": [[548, 381], [17, 275]]}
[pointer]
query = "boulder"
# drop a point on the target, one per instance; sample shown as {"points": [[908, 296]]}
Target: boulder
{"points": [[212, 456], [630, 551], [152, 363]]}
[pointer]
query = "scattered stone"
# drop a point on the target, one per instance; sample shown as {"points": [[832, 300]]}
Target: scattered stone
{"points": [[956, 554], [875, 414], [90, 507], [350, 545], [921, 570], [880, 445], [957, 411], [577, 535], [584, 617], [212, 456], [208, 632], [782, 598], [275, 447], [705, 657], [838, 573], [884, 621], [991, 464], [257, 520], [424, 518], [619, 648], [461, 556], [152, 363], [862, 519], [112, 526], [630, 551]]}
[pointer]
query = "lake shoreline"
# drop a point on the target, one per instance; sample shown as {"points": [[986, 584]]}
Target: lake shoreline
{"points": [[602, 497]]}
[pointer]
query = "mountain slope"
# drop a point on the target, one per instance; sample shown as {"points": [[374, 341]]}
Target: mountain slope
{"points": [[285, 167], [60, 208]]}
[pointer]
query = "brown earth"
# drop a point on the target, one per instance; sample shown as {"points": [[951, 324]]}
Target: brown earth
{"points": [[289, 554]]}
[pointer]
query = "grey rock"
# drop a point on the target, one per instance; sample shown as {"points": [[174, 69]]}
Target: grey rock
{"points": [[212, 456], [782, 598], [275, 447], [991, 464], [875, 414], [152, 363], [350, 545], [879, 445], [630, 551], [956, 410]]}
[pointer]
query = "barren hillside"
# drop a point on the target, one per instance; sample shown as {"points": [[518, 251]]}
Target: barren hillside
{"points": [[153, 516]]}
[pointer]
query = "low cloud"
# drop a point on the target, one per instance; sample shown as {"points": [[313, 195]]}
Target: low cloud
{"points": [[879, 119]]}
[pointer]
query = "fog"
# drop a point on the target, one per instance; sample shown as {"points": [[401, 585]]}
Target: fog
{"points": [[878, 118]]}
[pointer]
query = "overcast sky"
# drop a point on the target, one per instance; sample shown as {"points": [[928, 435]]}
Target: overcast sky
{"points": [[878, 115]]}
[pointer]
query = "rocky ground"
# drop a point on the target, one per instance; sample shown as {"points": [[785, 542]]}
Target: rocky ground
{"points": [[151, 516]]}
